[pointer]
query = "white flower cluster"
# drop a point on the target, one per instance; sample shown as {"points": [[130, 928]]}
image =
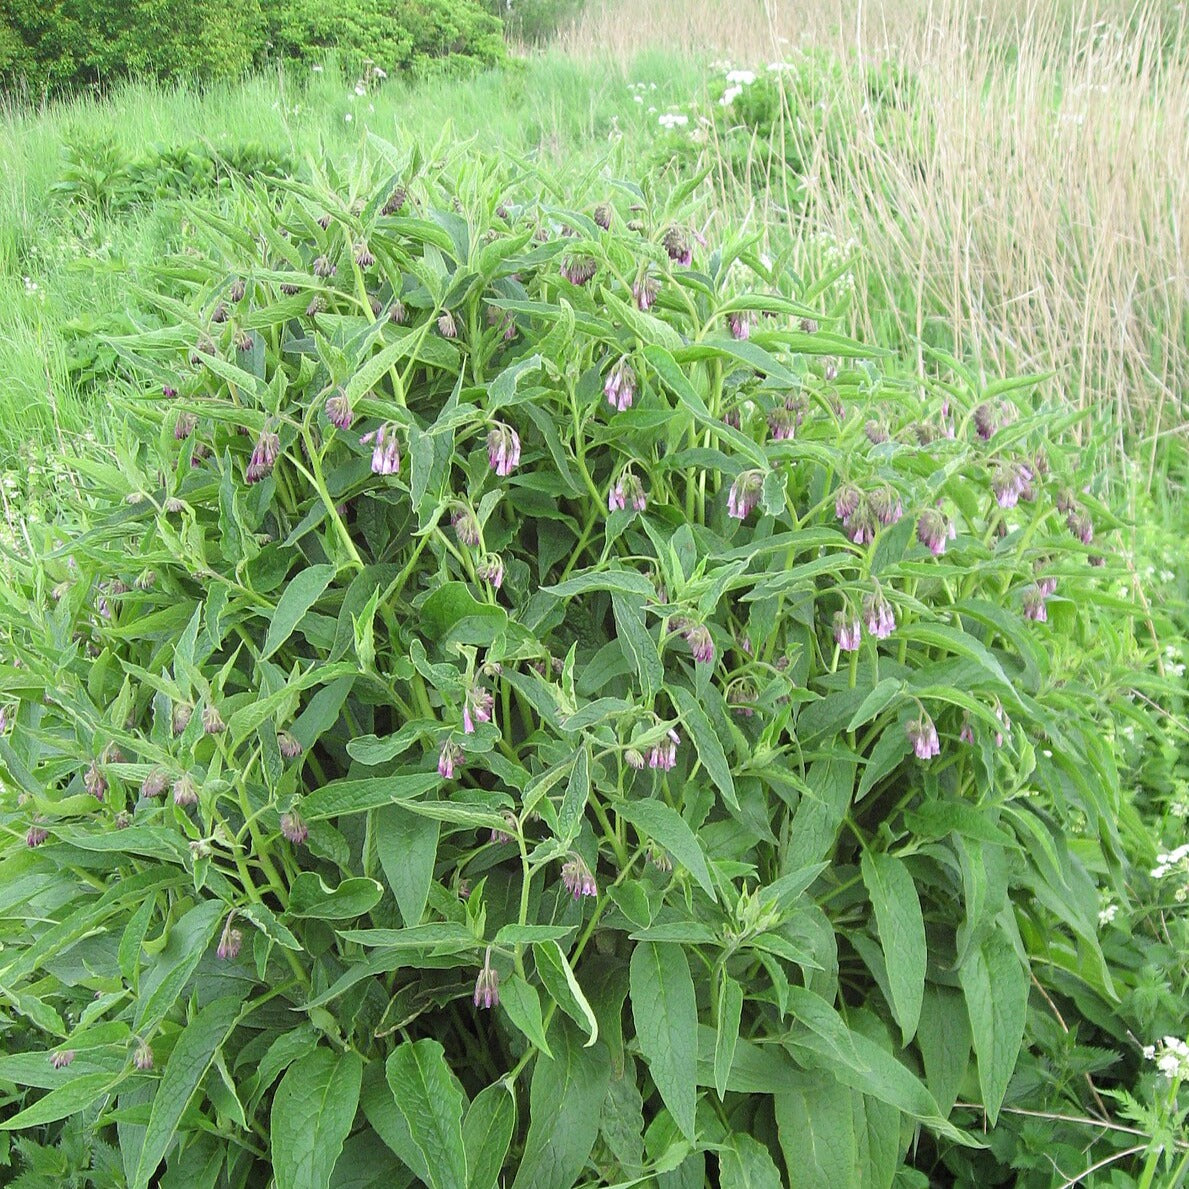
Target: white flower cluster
{"points": [[1175, 862], [736, 81], [672, 119], [1174, 661], [1107, 914], [1171, 1056]]}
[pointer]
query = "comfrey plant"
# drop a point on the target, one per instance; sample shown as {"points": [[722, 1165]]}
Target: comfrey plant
{"points": [[479, 747]]}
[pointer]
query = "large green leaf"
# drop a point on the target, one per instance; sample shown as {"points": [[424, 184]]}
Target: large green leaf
{"points": [[666, 1016], [815, 1122], [564, 1102], [666, 826], [298, 597], [187, 1066], [432, 1106], [901, 933], [706, 742], [312, 1113], [995, 983], [487, 1133], [407, 844], [558, 978], [311, 896]]}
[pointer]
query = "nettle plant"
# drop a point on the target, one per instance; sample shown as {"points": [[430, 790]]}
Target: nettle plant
{"points": [[521, 703]]}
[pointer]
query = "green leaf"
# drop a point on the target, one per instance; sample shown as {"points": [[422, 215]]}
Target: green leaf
{"points": [[310, 896], [706, 742], [944, 1041], [627, 582], [191, 1057], [453, 614], [816, 1126], [161, 984], [298, 597], [666, 1015], [487, 1134], [564, 1101], [666, 826], [995, 983], [901, 934], [744, 1163], [69, 1099], [730, 1012], [341, 797], [265, 920], [573, 804], [432, 1105], [553, 968], [638, 645], [456, 937], [407, 845], [522, 1005], [312, 1113], [878, 700]]}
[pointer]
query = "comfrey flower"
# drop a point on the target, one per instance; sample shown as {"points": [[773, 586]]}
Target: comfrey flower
{"points": [[466, 527], [293, 828], [1009, 482], [627, 490], [491, 569], [846, 502], [62, 1058], [36, 836], [862, 526], [324, 267], [744, 494], [450, 758], [447, 327], [876, 433], [264, 457], [886, 505], [338, 410], [476, 707], [578, 878], [922, 734], [697, 636], [1033, 602], [677, 246], [847, 631], [741, 697], [620, 388], [385, 449], [783, 423], [933, 531], [739, 324], [663, 755], [502, 836], [290, 748], [363, 255], [229, 942], [184, 426], [487, 985], [143, 1057], [155, 783], [1081, 526], [185, 791], [966, 734], [579, 270], [212, 721], [986, 421], [503, 448], [644, 293], [878, 616], [95, 782]]}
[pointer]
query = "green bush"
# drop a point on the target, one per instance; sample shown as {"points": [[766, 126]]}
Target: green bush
{"points": [[71, 43], [521, 685], [534, 21], [405, 35]]}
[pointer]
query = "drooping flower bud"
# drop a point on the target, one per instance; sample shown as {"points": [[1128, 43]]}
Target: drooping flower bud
{"points": [[212, 721], [876, 433], [397, 312], [933, 531], [579, 270], [846, 502], [229, 942], [922, 734], [809, 325], [847, 631], [887, 506], [264, 457], [739, 323], [487, 985], [447, 327], [220, 313], [627, 489], [620, 388], [95, 782], [385, 449], [700, 644], [663, 755], [293, 828], [363, 256], [62, 1058], [578, 878], [449, 759], [143, 1057], [289, 747], [634, 758], [677, 246], [744, 494], [324, 267], [395, 201], [503, 449], [491, 569], [879, 616], [237, 291], [466, 527], [986, 421], [36, 836], [338, 410], [644, 293], [184, 426], [1033, 603], [185, 791], [602, 215]]}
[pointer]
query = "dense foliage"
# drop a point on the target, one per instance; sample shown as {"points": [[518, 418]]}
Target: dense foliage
{"points": [[71, 43], [523, 700]]}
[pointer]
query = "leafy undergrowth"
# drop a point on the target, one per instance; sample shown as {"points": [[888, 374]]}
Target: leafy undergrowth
{"points": [[521, 702]]}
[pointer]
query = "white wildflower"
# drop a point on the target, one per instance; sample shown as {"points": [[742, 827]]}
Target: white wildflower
{"points": [[730, 95], [672, 119], [1107, 915], [743, 77]]}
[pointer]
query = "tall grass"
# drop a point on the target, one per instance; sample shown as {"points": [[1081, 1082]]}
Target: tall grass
{"points": [[1034, 215]]}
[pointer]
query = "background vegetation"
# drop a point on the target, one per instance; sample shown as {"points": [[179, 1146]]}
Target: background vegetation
{"points": [[983, 190]]}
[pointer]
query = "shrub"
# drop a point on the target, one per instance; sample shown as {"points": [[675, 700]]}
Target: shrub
{"points": [[402, 35], [534, 21], [521, 684], [70, 43]]}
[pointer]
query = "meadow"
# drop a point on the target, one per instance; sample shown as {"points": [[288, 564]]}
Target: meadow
{"points": [[643, 589]]}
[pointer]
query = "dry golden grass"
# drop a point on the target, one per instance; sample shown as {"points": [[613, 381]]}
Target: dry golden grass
{"points": [[1040, 208]]}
